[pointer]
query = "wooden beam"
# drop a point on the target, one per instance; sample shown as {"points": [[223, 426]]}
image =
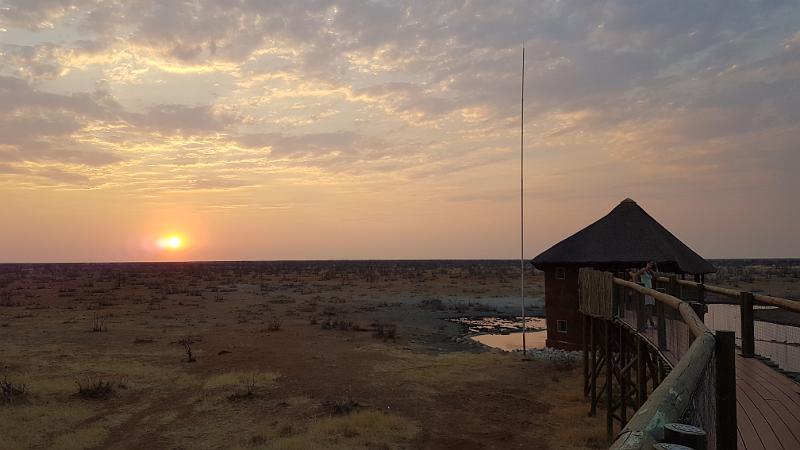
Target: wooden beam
{"points": [[791, 305], [641, 373], [609, 380], [623, 376], [585, 341], [593, 334], [748, 324], [725, 407]]}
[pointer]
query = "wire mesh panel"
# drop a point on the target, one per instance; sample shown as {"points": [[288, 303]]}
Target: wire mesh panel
{"points": [[778, 342], [678, 336], [661, 326], [702, 410]]}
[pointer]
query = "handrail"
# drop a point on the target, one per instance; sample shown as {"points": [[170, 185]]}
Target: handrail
{"points": [[671, 398], [777, 301], [696, 326], [783, 303]]}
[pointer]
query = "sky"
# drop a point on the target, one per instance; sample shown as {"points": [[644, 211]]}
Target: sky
{"points": [[263, 130]]}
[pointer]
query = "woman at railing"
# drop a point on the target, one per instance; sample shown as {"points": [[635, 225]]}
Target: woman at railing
{"points": [[645, 277]]}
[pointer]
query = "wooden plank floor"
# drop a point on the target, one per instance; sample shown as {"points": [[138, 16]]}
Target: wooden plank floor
{"points": [[768, 407]]}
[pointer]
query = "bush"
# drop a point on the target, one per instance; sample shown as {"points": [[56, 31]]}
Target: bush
{"points": [[340, 324], [187, 345], [274, 325], [95, 388], [343, 407], [12, 393], [248, 390], [98, 324], [384, 331]]}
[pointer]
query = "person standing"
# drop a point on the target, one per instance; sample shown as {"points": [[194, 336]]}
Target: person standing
{"points": [[645, 277]]}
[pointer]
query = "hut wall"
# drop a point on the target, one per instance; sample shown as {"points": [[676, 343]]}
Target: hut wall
{"points": [[561, 304]]}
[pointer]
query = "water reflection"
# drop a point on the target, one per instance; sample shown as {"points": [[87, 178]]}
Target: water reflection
{"points": [[506, 333], [513, 341]]}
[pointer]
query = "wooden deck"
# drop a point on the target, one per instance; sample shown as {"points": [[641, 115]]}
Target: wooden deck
{"points": [[768, 407]]}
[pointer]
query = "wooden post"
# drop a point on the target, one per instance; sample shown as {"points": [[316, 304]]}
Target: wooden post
{"points": [[593, 334], [655, 360], [673, 286], [585, 341], [726, 390], [748, 332], [623, 375], [609, 381], [701, 298], [640, 319], [641, 373], [662, 325]]}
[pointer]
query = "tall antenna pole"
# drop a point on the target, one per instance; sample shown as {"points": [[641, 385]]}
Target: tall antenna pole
{"points": [[522, 204]]}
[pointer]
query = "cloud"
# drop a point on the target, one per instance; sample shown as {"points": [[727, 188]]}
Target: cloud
{"points": [[40, 126], [315, 144], [619, 74], [50, 173], [166, 118]]}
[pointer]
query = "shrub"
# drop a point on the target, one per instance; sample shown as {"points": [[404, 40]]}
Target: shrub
{"points": [[340, 324], [94, 388], [384, 331], [343, 406], [247, 391], [98, 324], [274, 324], [187, 345], [12, 393]]}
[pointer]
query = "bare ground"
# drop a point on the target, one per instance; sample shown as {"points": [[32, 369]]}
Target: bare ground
{"points": [[303, 355]]}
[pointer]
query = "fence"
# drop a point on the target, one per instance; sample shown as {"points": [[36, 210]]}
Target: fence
{"points": [[690, 361], [765, 326], [665, 362], [689, 393]]}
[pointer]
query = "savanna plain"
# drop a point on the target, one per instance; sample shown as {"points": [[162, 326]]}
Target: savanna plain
{"points": [[276, 355]]}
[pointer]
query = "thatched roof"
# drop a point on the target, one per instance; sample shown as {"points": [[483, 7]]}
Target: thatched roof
{"points": [[627, 236]]}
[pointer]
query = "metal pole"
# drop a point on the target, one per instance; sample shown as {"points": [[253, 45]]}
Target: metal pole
{"points": [[522, 204]]}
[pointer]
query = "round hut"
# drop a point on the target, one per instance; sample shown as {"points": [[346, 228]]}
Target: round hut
{"points": [[625, 238]]}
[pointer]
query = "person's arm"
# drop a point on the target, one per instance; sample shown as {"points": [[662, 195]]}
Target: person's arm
{"points": [[635, 275]]}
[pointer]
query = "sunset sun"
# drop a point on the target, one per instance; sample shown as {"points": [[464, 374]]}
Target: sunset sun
{"points": [[171, 242]]}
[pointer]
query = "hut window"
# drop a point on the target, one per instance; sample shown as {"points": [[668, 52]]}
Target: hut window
{"points": [[561, 326], [561, 273]]}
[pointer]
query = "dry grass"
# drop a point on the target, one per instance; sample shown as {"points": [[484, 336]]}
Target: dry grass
{"points": [[360, 430], [566, 396], [429, 373], [233, 380], [409, 394]]}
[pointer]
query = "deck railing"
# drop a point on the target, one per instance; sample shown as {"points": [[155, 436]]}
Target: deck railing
{"points": [[688, 394], [700, 386], [766, 326]]}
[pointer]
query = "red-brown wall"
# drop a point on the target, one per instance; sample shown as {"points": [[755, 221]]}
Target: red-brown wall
{"points": [[561, 303]]}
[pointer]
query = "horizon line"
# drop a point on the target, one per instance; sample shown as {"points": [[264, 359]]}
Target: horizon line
{"points": [[201, 261]]}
